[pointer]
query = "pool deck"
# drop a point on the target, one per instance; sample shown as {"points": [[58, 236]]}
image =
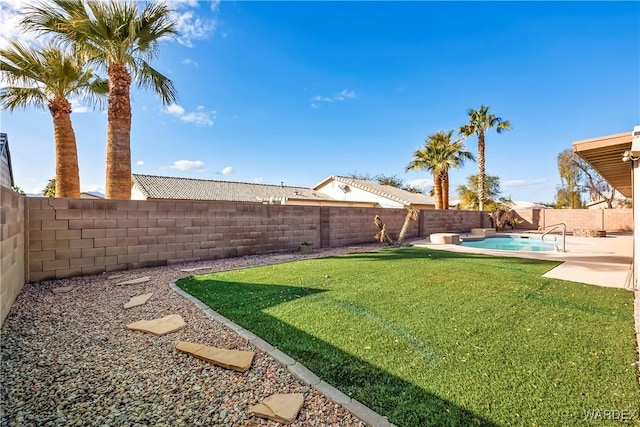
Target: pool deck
{"points": [[601, 261]]}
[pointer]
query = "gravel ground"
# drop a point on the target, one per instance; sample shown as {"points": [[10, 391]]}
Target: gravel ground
{"points": [[67, 358]]}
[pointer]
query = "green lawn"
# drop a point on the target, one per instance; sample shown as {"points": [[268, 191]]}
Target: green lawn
{"points": [[439, 338]]}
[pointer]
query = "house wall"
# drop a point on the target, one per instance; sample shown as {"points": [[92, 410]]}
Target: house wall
{"points": [[136, 194], [600, 219], [12, 248], [333, 189]]}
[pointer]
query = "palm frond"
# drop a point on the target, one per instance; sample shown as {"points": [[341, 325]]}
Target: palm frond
{"points": [[12, 98], [147, 76], [53, 72]]}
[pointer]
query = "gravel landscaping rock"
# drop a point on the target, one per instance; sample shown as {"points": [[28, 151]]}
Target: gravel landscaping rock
{"points": [[67, 358]]}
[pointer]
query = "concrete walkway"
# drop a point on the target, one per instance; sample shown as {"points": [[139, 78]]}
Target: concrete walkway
{"points": [[601, 261]]}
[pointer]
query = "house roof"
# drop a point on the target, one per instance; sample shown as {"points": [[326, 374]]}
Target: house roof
{"points": [[89, 195], [4, 152], [605, 155], [393, 193], [165, 187]]}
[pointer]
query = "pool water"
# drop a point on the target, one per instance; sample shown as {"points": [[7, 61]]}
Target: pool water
{"points": [[510, 244]]}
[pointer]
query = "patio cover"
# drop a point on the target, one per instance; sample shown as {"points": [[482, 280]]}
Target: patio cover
{"points": [[604, 154]]}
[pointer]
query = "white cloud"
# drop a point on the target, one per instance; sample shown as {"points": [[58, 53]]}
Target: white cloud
{"points": [[259, 180], [76, 107], [345, 94], [339, 97], [190, 62], [227, 171], [422, 183], [140, 162], [191, 27], [174, 110], [10, 30], [523, 182], [199, 117], [187, 165]]}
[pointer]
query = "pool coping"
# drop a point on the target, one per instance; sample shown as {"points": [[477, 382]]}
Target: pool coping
{"points": [[301, 372]]}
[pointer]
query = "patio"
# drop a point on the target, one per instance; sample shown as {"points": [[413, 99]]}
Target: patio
{"points": [[601, 261]]}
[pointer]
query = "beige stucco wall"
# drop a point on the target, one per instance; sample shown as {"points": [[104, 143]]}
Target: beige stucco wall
{"points": [[12, 249]]}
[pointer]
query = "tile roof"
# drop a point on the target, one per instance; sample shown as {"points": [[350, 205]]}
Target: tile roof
{"points": [[388, 191], [165, 187]]}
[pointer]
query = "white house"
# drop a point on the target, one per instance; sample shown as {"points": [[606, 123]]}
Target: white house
{"points": [[333, 191], [362, 190], [152, 187]]}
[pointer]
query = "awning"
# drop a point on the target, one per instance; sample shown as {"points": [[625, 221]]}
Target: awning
{"points": [[604, 154]]}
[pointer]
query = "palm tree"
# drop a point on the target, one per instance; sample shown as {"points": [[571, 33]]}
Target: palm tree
{"points": [[50, 189], [481, 121], [468, 193], [123, 40], [48, 78], [438, 154]]}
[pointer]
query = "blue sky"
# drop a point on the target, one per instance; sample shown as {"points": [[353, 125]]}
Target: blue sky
{"points": [[294, 92]]}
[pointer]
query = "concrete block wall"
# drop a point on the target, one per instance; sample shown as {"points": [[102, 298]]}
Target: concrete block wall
{"points": [[343, 226], [69, 237], [592, 219], [452, 221], [617, 219], [532, 218], [12, 248]]}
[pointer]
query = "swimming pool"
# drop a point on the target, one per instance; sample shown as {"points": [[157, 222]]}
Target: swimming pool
{"points": [[510, 244]]}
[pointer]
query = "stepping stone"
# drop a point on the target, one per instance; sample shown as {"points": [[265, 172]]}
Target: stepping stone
{"points": [[62, 290], [139, 300], [115, 276], [162, 326], [190, 270], [282, 408], [135, 281], [238, 360]]}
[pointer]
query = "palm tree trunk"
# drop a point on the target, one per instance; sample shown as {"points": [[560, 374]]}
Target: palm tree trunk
{"points": [[481, 172], [445, 190], [118, 179], [412, 215], [437, 188], [67, 172]]}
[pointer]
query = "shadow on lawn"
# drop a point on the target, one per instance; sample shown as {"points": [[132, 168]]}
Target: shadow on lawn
{"points": [[402, 402], [414, 252]]}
